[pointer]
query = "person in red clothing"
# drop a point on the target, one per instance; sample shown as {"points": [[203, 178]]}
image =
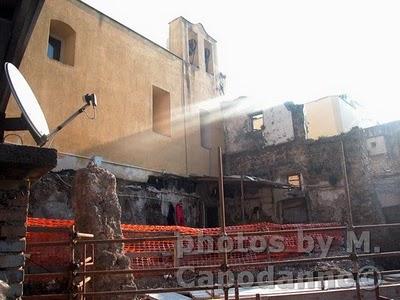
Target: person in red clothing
{"points": [[180, 218]]}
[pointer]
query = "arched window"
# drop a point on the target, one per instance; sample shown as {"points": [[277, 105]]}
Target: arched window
{"points": [[61, 44]]}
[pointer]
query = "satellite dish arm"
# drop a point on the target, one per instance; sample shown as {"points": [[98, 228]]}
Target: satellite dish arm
{"points": [[90, 101], [46, 138]]}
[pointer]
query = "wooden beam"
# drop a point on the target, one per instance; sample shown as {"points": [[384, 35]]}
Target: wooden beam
{"points": [[15, 37]]}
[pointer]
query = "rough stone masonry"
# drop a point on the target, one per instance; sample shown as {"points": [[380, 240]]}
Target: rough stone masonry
{"points": [[98, 211], [19, 167]]}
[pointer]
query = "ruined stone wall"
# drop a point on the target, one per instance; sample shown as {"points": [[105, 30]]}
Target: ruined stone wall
{"points": [[141, 203], [366, 206], [282, 124], [257, 204], [298, 120], [319, 163], [383, 144]]}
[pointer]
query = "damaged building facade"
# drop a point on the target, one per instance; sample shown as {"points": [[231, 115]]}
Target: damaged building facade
{"points": [[154, 130], [367, 157], [273, 173], [158, 129]]}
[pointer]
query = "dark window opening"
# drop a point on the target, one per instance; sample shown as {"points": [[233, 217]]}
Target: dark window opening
{"points": [[54, 48], [295, 180], [193, 49], [257, 121], [208, 57]]}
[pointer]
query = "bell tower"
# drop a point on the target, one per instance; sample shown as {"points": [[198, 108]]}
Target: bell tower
{"points": [[193, 44]]}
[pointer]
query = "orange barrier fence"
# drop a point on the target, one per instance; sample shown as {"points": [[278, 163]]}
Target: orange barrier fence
{"points": [[155, 253]]}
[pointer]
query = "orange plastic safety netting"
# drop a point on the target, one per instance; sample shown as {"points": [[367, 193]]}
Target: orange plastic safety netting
{"points": [[199, 245]]}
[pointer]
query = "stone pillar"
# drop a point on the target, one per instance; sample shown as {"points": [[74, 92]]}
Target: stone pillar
{"points": [[19, 166], [97, 211], [13, 212], [365, 204]]}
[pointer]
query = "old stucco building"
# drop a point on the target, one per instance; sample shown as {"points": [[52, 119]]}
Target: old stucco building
{"points": [[152, 119], [150, 112], [285, 154]]}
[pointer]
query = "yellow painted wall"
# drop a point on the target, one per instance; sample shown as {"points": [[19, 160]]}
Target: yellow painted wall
{"points": [[329, 116], [320, 118], [121, 67], [199, 89]]}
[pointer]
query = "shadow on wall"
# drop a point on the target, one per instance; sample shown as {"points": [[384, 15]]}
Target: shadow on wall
{"points": [[158, 152], [145, 148]]}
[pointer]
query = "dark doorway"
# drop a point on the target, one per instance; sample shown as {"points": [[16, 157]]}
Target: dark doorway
{"points": [[212, 217], [294, 211]]}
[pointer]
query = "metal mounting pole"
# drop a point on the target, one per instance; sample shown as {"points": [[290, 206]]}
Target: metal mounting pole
{"points": [[236, 290], [63, 124], [354, 258], [347, 188], [242, 198], [224, 266]]}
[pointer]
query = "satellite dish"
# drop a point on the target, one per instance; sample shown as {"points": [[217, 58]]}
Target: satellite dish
{"points": [[27, 102], [31, 110]]}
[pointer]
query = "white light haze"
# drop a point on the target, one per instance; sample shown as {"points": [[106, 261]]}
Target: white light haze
{"points": [[289, 50]]}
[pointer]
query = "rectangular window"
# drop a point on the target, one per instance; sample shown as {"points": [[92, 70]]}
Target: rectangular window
{"points": [[205, 129], [257, 121], [295, 180], [54, 48], [161, 111]]}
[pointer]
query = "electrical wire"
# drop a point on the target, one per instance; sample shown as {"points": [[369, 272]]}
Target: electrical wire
{"points": [[52, 139], [62, 180], [126, 195], [91, 117], [14, 134]]}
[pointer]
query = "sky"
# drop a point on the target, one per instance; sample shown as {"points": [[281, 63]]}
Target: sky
{"points": [[275, 51]]}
